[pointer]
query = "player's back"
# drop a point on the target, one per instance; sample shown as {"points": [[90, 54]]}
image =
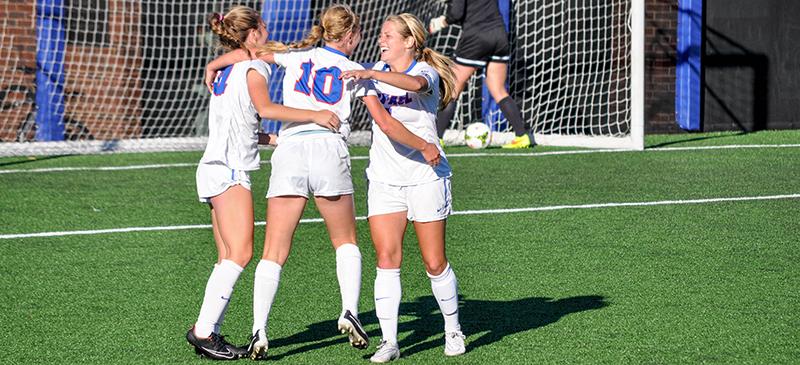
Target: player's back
{"points": [[232, 118], [475, 16], [312, 82]]}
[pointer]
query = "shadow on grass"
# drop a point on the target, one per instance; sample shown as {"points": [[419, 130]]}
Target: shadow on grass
{"points": [[483, 321], [30, 160], [697, 138]]}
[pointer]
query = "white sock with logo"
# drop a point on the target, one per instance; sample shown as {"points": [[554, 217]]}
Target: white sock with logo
{"points": [[445, 290], [265, 286], [388, 292], [348, 272], [222, 316], [218, 293]]}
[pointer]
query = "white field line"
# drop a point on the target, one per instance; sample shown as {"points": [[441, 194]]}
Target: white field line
{"points": [[475, 154], [463, 212]]}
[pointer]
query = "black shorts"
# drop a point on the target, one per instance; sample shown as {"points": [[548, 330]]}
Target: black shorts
{"points": [[475, 49]]}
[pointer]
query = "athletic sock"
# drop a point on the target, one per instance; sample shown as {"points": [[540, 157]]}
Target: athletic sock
{"points": [[445, 290], [387, 301], [348, 272], [511, 111], [218, 293], [265, 286]]}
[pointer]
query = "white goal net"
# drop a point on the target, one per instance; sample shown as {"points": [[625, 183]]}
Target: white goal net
{"points": [[95, 76]]}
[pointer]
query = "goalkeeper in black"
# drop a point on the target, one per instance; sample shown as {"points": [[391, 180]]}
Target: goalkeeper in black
{"points": [[483, 43]]}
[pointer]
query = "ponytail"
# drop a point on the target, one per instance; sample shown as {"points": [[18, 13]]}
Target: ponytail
{"points": [[313, 36], [233, 27]]}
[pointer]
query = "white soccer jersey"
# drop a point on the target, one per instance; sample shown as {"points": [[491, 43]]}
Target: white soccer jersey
{"points": [[394, 163], [312, 82], [233, 120]]}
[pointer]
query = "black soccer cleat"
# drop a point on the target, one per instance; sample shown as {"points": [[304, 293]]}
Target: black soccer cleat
{"points": [[214, 347], [350, 325]]}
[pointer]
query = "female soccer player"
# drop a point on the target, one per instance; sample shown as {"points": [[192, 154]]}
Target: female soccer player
{"points": [[310, 159], [223, 173], [403, 186], [483, 43]]}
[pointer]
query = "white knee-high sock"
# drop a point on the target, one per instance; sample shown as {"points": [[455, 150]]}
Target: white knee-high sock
{"points": [[348, 272], [265, 286], [218, 293], [445, 290], [222, 316], [388, 292]]}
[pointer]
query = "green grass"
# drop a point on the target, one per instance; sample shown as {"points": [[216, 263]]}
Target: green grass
{"points": [[682, 283]]}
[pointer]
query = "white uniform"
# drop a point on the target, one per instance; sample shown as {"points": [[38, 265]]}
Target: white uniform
{"points": [[310, 158], [399, 177], [232, 148]]}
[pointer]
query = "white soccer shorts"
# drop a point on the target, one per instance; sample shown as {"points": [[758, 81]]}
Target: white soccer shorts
{"points": [[215, 179], [317, 164], [426, 202]]}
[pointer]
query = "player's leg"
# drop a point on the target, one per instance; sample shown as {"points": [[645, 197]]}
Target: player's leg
{"points": [[443, 281], [495, 81], [283, 215], [387, 232], [222, 249], [429, 206], [443, 118], [222, 252], [233, 214], [339, 215]]}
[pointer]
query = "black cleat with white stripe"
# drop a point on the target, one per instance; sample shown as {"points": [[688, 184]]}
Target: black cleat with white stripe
{"points": [[215, 347]]}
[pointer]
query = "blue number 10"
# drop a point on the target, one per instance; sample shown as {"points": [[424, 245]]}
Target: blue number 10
{"points": [[326, 85]]}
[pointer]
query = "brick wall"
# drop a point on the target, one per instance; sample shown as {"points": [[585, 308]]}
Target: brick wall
{"points": [[661, 22], [101, 87]]}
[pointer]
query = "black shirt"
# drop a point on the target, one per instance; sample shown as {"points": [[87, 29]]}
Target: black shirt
{"points": [[474, 15]]}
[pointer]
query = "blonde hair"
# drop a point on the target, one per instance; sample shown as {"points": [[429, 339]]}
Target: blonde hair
{"points": [[409, 25], [233, 27], [333, 24]]}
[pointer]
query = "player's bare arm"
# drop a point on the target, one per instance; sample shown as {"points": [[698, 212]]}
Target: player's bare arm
{"points": [[221, 62], [395, 130], [259, 94], [396, 79]]}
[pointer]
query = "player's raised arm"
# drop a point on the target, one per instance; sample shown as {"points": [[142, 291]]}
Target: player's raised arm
{"points": [[257, 87], [397, 132], [221, 62], [404, 81]]}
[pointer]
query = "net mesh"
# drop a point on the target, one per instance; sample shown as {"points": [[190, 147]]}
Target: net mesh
{"points": [[127, 75]]}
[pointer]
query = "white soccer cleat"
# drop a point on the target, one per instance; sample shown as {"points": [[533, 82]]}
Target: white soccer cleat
{"points": [[350, 325], [387, 351], [257, 348], [454, 343]]}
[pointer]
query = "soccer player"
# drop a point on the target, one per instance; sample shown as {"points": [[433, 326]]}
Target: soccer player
{"points": [[223, 179], [483, 43], [313, 160], [406, 186]]}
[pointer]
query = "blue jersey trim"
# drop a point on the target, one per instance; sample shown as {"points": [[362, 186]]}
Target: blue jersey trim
{"points": [[335, 51]]}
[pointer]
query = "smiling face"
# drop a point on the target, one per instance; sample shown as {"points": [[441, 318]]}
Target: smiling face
{"points": [[393, 45]]}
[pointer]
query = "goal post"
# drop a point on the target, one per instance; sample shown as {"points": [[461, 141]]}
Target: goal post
{"points": [[102, 76]]}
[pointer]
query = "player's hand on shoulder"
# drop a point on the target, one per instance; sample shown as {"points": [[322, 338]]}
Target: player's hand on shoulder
{"points": [[327, 119], [437, 24], [357, 74], [431, 154], [209, 78]]}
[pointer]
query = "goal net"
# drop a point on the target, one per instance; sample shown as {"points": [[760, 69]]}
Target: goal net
{"points": [[96, 76]]}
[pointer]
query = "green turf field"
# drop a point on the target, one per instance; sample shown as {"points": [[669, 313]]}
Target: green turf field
{"points": [[550, 271]]}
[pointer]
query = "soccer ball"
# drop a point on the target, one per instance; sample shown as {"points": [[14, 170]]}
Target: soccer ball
{"points": [[478, 135]]}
